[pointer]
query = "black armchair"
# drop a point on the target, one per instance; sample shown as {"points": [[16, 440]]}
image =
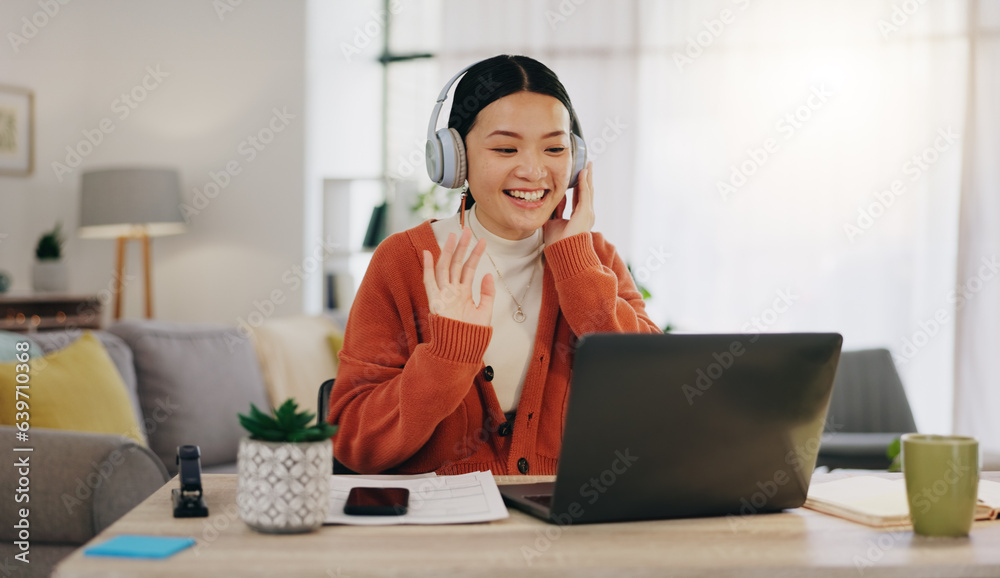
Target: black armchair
{"points": [[868, 409], [324, 409]]}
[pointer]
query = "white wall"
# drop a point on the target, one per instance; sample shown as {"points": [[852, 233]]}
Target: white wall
{"points": [[223, 75], [344, 100]]}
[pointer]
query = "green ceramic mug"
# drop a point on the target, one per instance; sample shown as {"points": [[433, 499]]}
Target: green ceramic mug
{"points": [[942, 481]]}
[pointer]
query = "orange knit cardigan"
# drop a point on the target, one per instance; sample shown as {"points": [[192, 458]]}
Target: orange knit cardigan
{"points": [[411, 394]]}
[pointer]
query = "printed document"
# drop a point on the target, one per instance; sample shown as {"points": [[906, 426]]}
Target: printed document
{"points": [[461, 499]]}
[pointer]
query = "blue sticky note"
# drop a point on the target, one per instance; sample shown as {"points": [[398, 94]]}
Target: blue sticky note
{"points": [[133, 546]]}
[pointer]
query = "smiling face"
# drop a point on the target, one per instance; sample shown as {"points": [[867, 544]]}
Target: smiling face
{"points": [[519, 162]]}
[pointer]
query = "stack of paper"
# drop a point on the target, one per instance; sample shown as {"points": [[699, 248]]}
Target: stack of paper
{"points": [[459, 499], [880, 502]]}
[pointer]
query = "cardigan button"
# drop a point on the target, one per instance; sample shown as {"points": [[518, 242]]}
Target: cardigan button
{"points": [[505, 429], [488, 373], [522, 465]]}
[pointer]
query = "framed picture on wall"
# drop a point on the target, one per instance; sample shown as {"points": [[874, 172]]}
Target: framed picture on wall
{"points": [[17, 131]]}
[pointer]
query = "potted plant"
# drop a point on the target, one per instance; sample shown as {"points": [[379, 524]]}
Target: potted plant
{"points": [[435, 202], [284, 470], [49, 272]]}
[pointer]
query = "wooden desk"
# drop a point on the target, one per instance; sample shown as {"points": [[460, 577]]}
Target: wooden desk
{"points": [[795, 543]]}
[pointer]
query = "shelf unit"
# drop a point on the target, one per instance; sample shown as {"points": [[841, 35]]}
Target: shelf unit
{"points": [[49, 312], [348, 205]]}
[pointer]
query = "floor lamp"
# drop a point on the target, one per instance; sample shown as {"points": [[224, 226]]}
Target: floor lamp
{"points": [[130, 204]]}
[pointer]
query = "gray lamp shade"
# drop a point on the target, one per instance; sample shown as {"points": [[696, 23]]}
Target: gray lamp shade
{"points": [[126, 202]]}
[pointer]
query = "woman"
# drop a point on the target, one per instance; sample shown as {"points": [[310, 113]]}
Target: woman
{"points": [[454, 363]]}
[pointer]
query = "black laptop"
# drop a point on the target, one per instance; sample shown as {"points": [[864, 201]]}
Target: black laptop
{"points": [[674, 426]]}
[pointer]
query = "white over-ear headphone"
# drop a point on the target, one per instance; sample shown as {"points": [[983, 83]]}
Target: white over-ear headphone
{"points": [[446, 160]]}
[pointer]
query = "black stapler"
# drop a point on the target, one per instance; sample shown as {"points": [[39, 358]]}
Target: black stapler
{"points": [[188, 500]]}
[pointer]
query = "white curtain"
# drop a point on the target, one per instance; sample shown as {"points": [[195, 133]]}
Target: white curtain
{"points": [[776, 164], [977, 341], [834, 226]]}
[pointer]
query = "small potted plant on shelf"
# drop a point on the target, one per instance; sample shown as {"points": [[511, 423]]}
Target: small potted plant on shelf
{"points": [[284, 470], [49, 272]]}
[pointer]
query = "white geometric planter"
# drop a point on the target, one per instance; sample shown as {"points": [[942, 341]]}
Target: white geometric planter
{"points": [[284, 488], [49, 275]]}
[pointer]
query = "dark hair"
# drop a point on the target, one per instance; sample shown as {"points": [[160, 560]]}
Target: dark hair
{"points": [[495, 78]]}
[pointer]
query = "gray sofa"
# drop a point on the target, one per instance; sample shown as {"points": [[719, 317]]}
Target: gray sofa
{"points": [[186, 382]]}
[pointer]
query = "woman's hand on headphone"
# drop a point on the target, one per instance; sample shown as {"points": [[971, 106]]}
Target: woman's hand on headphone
{"points": [[581, 220], [449, 282]]}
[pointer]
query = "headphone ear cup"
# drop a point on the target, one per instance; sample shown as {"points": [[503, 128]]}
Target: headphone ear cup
{"points": [[462, 164], [432, 157], [453, 164], [580, 154]]}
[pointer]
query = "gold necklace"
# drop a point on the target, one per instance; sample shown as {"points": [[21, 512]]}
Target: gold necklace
{"points": [[519, 315]]}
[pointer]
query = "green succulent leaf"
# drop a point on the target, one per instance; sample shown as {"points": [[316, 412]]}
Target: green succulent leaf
{"points": [[894, 448], [285, 424], [262, 417], [893, 452], [302, 420], [50, 244]]}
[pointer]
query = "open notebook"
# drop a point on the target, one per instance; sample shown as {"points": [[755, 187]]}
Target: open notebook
{"points": [[881, 502]]}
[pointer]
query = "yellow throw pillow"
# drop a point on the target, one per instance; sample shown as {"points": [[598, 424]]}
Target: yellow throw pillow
{"points": [[294, 357], [336, 341], [76, 388]]}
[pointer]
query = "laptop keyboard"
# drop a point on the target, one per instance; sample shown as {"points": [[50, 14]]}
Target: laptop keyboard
{"points": [[544, 500]]}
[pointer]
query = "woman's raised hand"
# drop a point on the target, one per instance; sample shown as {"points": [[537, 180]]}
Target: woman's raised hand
{"points": [[449, 282], [581, 219]]}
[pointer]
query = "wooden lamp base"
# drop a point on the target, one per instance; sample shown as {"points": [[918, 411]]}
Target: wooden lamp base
{"points": [[120, 273]]}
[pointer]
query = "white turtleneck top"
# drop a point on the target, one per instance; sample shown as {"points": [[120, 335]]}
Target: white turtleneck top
{"points": [[510, 348]]}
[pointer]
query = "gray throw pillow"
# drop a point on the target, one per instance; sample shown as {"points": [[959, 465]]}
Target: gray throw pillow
{"points": [[193, 380]]}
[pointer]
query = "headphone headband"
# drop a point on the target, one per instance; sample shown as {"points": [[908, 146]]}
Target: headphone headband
{"points": [[432, 126], [445, 149]]}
